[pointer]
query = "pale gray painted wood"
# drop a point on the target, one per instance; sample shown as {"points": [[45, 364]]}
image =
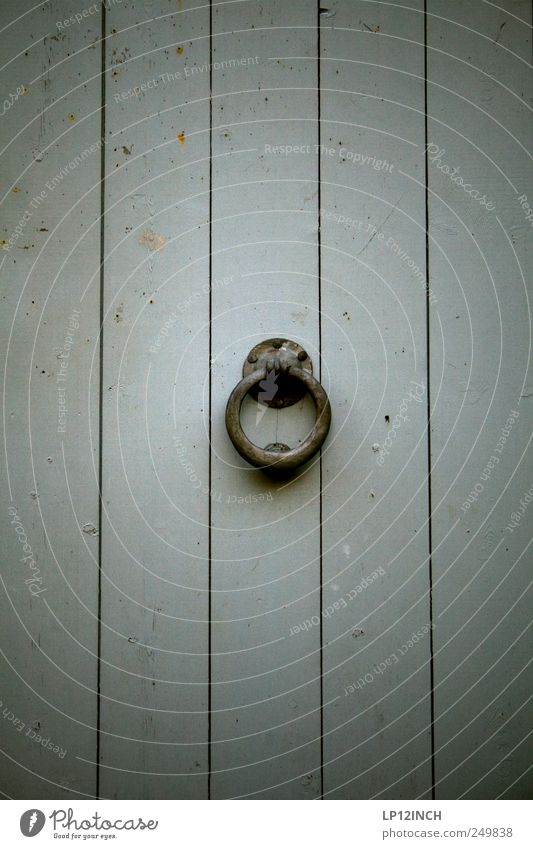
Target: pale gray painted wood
{"points": [[49, 641], [155, 544], [265, 569], [263, 683], [479, 97], [376, 723]]}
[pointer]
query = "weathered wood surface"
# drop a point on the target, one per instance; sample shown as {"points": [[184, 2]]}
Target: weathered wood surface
{"points": [[265, 169], [50, 178]]}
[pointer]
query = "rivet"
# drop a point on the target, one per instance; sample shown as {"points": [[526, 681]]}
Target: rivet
{"points": [[278, 447], [252, 358], [277, 343], [302, 355]]}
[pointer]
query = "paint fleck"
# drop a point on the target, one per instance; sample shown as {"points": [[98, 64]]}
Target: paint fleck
{"points": [[15, 189], [181, 137], [179, 49], [71, 116], [500, 32], [375, 447], [152, 241], [89, 528], [126, 150]]}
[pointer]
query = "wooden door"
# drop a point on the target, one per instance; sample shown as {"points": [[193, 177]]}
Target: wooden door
{"points": [[180, 182]]}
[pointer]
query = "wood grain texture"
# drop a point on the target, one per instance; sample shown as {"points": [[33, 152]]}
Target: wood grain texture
{"points": [[154, 581], [479, 95], [354, 176], [50, 304], [265, 568], [375, 536]]}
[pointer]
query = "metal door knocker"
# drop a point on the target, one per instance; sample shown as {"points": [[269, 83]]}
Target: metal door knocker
{"points": [[278, 373]]}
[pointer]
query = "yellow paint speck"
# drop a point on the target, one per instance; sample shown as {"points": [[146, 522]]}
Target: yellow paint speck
{"points": [[181, 137], [15, 189], [71, 116], [152, 241], [179, 49]]}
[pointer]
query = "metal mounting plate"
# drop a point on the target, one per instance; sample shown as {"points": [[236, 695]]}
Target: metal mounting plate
{"points": [[279, 389]]}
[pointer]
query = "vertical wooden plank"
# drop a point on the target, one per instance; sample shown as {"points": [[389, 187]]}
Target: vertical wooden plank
{"points": [[154, 583], [265, 723], [479, 90], [375, 607], [50, 190]]}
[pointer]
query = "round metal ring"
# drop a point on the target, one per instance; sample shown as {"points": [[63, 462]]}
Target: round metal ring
{"points": [[261, 457]]}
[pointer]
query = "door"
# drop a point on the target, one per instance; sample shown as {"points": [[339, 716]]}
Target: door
{"points": [[182, 181]]}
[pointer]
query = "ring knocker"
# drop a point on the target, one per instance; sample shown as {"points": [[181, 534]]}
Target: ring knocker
{"points": [[278, 373]]}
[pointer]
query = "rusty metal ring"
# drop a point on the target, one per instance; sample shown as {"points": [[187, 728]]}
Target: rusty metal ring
{"points": [[293, 457]]}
